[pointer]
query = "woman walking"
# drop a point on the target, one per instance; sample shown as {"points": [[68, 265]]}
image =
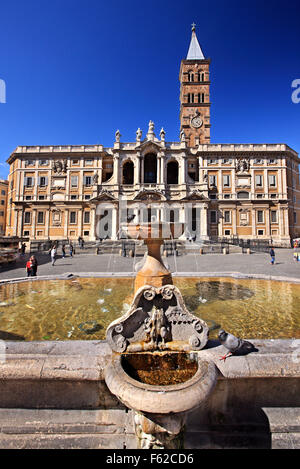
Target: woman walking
{"points": [[31, 267], [34, 266], [53, 254]]}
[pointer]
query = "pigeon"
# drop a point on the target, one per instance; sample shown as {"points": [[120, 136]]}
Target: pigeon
{"points": [[234, 345], [130, 218]]}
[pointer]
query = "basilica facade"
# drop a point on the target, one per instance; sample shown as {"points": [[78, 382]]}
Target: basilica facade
{"points": [[218, 190]]}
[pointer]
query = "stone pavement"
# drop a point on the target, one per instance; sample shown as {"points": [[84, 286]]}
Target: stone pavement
{"points": [[192, 264]]}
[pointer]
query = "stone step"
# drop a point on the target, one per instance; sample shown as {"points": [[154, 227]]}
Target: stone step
{"points": [[66, 429], [113, 429]]}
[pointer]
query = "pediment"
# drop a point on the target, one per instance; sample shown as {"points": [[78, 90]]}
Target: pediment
{"points": [[104, 195], [150, 146], [149, 195], [195, 195]]}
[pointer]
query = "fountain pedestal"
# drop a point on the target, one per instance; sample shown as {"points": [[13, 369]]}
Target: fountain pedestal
{"points": [[153, 271], [156, 368]]}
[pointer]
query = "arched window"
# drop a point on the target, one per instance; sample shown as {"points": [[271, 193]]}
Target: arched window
{"points": [[128, 172], [200, 97], [172, 172], [201, 76], [190, 97], [150, 168], [190, 76]]}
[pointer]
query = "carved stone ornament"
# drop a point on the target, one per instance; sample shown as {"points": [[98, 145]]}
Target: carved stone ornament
{"points": [[104, 194], [195, 195], [244, 217], [149, 195], [157, 320], [242, 165], [60, 166]]}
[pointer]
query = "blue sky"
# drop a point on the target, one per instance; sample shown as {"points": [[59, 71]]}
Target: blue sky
{"points": [[76, 71]]}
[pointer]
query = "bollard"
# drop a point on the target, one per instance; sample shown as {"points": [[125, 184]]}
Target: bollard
{"points": [[225, 251], [201, 251], [248, 251]]}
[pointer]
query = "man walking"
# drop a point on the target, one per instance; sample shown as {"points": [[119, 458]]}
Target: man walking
{"points": [[272, 254]]}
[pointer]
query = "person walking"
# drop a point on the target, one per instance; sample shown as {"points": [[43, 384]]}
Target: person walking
{"points": [[63, 250], [71, 250], [28, 268], [34, 266], [53, 254], [272, 254]]}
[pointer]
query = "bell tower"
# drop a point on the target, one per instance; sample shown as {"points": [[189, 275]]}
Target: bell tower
{"points": [[194, 95]]}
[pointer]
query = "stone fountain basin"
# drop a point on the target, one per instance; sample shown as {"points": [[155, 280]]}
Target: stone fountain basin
{"points": [[155, 230], [160, 399]]}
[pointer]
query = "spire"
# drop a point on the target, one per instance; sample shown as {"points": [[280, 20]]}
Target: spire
{"points": [[195, 52]]}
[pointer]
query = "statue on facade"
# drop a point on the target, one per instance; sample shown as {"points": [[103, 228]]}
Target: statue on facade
{"points": [[138, 135], [151, 127], [117, 136], [150, 133], [95, 178], [182, 136], [162, 134]]}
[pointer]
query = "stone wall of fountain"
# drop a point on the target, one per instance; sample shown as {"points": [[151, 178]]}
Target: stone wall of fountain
{"points": [[53, 395]]}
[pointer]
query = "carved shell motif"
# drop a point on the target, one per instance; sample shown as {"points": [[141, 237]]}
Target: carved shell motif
{"points": [[168, 325]]}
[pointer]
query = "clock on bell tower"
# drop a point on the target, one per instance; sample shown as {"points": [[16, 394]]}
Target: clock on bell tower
{"points": [[194, 95]]}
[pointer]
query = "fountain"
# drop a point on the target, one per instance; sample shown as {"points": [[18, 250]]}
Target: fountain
{"points": [[156, 368]]}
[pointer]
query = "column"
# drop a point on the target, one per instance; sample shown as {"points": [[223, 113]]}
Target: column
{"points": [[114, 223], [16, 222], [220, 223], [162, 171], [268, 221], [66, 222], [266, 182], [234, 219], [79, 221], [80, 182], [20, 222], [253, 222], [100, 173], [158, 172], [47, 220], [233, 185], [68, 180], [137, 169], [92, 224], [142, 170], [203, 222], [182, 178], [48, 195], [200, 178], [279, 183], [284, 185], [116, 169], [33, 227], [280, 218], [286, 221]]}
